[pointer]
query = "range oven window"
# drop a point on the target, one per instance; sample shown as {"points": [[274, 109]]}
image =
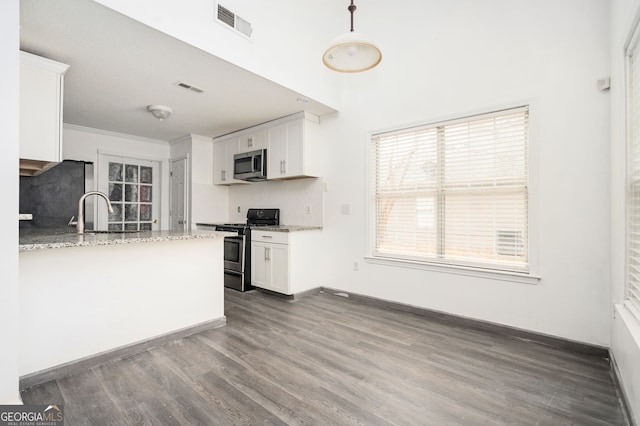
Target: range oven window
{"points": [[232, 249]]}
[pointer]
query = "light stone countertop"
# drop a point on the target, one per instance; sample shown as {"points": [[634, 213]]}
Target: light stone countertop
{"points": [[275, 228], [288, 228], [33, 240]]}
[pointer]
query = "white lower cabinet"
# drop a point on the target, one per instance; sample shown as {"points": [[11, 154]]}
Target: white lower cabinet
{"points": [[270, 266], [283, 261]]}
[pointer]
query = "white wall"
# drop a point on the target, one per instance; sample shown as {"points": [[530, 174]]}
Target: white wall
{"points": [[9, 113], [444, 59], [292, 197], [625, 331], [286, 45], [85, 144]]}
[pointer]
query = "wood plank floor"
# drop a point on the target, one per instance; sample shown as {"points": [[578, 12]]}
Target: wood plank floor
{"points": [[327, 360]]}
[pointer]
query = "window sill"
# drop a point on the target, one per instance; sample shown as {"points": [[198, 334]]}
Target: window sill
{"points": [[517, 277], [630, 320]]}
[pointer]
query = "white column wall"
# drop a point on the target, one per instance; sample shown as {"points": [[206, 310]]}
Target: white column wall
{"points": [[9, 113]]}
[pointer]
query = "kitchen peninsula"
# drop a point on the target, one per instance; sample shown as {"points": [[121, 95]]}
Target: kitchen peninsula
{"points": [[86, 295]]}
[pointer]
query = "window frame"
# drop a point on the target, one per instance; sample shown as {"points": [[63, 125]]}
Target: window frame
{"points": [[526, 277], [631, 44]]}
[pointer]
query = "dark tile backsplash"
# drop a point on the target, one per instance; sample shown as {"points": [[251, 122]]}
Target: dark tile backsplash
{"points": [[52, 197]]}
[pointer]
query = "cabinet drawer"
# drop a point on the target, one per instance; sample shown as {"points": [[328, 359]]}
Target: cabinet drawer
{"points": [[270, 236]]}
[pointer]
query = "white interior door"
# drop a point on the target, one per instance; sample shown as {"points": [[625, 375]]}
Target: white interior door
{"points": [[133, 186], [178, 212]]}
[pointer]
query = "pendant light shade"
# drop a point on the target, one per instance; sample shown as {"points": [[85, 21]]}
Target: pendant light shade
{"points": [[352, 52]]}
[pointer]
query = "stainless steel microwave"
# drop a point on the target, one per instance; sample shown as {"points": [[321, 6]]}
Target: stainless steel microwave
{"points": [[250, 165]]}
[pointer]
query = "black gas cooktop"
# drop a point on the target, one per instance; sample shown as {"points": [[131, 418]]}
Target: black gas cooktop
{"points": [[255, 218]]}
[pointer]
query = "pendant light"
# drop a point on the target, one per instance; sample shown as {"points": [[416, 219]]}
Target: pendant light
{"points": [[352, 52]]}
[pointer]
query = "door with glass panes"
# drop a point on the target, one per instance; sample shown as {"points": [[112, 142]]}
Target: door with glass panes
{"points": [[133, 187]]}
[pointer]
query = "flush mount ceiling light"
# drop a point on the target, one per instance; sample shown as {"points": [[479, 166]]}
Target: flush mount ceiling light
{"points": [[160, 112], [352, 52]]}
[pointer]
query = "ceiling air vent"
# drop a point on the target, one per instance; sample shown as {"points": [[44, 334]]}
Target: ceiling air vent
{"points": [[189, 87], [229, 18]]}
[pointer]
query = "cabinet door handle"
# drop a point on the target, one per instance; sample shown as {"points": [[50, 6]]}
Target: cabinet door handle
{"points": [[281, 166], [223, 175], [284, 166], [267, 254], [267, 236]]}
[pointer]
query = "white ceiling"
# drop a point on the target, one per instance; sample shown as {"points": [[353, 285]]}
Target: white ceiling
{"points": [[119, 66]]}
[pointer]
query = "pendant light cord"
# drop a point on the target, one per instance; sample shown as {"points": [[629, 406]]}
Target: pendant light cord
{"points": [[352, 8]]}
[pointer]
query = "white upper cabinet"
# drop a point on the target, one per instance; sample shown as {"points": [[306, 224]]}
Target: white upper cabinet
{"points": [[292, 148], [292, 145], [223, 152], [221, 171], [41, 95], [252, 141]]}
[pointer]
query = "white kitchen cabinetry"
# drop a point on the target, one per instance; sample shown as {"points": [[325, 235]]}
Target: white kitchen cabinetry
{"points": [[252, 141], [270, 264], [292, 148], [41, 93], [223, 152], [284, 262], [292, 145]]}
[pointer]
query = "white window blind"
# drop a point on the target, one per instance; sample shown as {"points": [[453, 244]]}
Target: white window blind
{"points": [[454, 192], [633, 190]]}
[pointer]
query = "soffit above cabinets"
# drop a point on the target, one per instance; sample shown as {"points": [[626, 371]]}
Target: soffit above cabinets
{"points": [[119, 66]]}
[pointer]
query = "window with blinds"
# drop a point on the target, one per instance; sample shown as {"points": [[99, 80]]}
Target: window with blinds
{"points": [[633, 181], [454, 192]]}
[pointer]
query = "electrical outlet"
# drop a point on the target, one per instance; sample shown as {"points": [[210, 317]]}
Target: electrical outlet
{"points": [[308, 209], [355, 265], [346, 209]]}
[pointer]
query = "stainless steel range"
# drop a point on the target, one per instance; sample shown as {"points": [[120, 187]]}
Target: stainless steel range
{"points": [[237, 249]]}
